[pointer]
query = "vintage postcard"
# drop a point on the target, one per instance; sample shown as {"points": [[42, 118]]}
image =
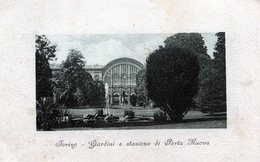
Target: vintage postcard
{"points": [[125, 80]]}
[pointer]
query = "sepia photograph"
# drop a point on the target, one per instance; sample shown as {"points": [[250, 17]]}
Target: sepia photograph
{"points": [[130, 81]]}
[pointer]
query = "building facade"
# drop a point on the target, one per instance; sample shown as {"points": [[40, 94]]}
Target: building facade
{"points": [[119, 78]]}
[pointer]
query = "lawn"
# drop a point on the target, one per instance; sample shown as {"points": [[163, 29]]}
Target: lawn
{"points": [[188, 125], [139, 111], [192, 120]]}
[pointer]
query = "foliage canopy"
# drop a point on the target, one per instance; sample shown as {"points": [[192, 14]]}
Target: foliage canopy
{"points": [[172, 80], [45, 51], [214, 89]]}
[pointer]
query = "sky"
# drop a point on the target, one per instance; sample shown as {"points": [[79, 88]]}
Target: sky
{"points": [[103, 48]]}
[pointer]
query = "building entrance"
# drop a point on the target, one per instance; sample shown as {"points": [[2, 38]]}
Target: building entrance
{"points": [[115, 99]]}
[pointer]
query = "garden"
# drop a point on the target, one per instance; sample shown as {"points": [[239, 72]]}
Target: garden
{"points": [[182, 81], [130, 118]]}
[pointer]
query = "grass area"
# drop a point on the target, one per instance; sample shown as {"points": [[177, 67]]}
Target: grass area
{"points": [[190, 125], [115, 111], [192, 120]]}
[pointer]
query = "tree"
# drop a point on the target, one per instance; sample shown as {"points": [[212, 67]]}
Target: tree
{"points": [[45, 51], [79, 96], [75, 78], [96, 93], [194, 43], [140, 88], [58, 85], [172, 80], [133, 99], [79, 87], [214, 89], [219, 64], [219, 60], [75, 75]]}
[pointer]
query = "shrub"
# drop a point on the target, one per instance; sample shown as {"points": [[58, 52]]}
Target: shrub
{"points": [[133, 99], [172, 80], [159, 117], [45, 117], [129, 113]]}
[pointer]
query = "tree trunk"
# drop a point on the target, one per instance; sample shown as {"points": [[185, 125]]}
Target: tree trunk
{"points": [[169, 111], [172, 113]]}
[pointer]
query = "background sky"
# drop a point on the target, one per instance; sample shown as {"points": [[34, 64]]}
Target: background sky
{"points": [[103, 48]]}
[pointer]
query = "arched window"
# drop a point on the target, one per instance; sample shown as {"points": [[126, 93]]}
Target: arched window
{"points": [[115, 98], [121, 72]]}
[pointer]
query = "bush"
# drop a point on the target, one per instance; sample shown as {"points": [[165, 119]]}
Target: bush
{"points": [[45, 118], [133, 99], [140, 103], [129, 113], [159, 117], [172, 80]]}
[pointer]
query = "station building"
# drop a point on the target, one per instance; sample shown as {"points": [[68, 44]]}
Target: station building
{"points": [[119, 76]]}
